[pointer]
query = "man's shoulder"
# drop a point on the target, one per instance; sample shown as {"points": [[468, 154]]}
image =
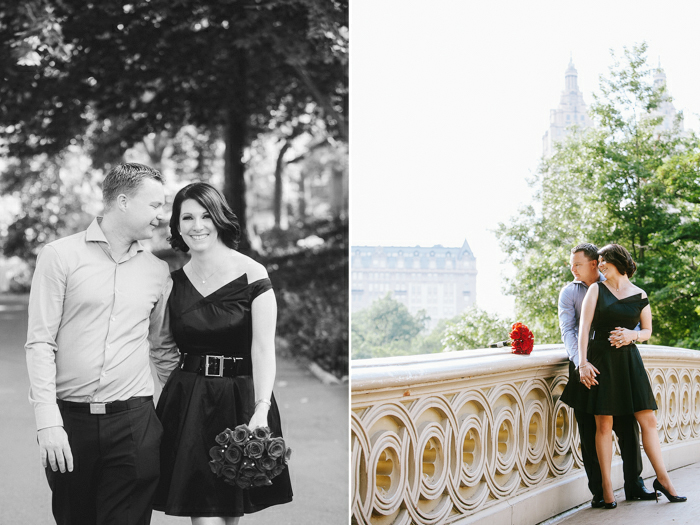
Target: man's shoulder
{"points": [[155, 262], [570, 288], [67, 244]]}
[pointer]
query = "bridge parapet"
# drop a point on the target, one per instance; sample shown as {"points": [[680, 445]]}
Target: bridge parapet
{"points": [[482, 436]]}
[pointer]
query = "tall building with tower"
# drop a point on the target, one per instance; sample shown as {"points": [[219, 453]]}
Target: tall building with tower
{"points": [[439, 280], [572, 111]]}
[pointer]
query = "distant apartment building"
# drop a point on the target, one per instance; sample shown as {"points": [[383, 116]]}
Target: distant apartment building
{"points": [[439, 280]]}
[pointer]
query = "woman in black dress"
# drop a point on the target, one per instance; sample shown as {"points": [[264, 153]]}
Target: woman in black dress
{"points": [[610, 312], [222, 314]]}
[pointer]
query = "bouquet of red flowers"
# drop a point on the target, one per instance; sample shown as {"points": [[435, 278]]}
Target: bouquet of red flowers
{"points": [[248, 458], [522, 339]]}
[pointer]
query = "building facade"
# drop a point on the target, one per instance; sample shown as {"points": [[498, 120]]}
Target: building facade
{"points": [[572, 111], [439, 280]]}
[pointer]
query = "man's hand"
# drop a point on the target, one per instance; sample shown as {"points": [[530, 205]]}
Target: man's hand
{"points": [[54, 449], [587, 373]]}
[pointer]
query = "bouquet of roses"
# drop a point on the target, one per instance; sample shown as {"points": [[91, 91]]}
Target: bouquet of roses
{"points": [[248, 458], [522, 339]]}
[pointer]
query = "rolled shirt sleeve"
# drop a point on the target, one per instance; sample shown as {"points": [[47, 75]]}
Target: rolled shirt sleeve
{"points": [[568, 322], [45, 312], [163, 350]]}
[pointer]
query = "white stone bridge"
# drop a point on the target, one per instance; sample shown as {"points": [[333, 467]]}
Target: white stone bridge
{"points": [[480, 436]]}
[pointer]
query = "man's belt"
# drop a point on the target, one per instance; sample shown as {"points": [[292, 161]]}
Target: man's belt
{"points": [[103, 408], [212, 365]]}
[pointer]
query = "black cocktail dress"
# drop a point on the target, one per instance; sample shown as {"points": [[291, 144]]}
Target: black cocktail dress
{"points": [[194, 408], [623, 385]]}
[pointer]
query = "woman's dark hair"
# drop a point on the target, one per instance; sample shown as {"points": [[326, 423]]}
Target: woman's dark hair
{"points": [[619, 258], [210, 199]]}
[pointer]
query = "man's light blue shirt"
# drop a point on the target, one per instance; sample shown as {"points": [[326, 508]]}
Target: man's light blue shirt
{"points": [[570, 301]]}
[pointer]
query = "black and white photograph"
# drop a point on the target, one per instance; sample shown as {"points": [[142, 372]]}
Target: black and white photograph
{"points": [[174, 218]]}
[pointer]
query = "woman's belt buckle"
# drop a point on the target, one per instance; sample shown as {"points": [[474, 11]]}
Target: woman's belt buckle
{"points": [[214, 366]]}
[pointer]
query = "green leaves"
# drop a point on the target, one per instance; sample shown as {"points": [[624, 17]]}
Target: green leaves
{"points": [[627, 180]]}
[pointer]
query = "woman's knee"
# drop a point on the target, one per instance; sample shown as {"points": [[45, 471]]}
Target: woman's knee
{"points": [[604, 424], [646, 419]]}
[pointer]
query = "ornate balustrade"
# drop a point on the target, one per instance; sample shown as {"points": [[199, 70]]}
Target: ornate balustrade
{"points": [[481, 436]]}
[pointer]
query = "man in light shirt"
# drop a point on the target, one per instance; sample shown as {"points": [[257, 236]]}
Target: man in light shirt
{"points": [[97, 311], [584, 267]]}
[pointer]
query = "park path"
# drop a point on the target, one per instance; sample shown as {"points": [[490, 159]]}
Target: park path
{"points": [[315, 425]]}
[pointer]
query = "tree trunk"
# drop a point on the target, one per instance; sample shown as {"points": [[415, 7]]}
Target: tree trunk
{"points": [[302, 197], [279, 169], [236, 141]]}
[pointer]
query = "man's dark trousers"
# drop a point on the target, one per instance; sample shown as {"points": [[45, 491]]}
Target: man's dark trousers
{"points": [[626, 429], [116, 468]]}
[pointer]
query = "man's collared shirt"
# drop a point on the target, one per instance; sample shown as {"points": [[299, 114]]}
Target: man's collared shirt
{"points": [[92, 322], [570, 301]]}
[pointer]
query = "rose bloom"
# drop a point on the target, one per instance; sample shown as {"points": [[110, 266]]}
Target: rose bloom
{"points": [[248, 468], [229, 472], [233, 454], [223, 438], [288, 454], [261, 433], [277, 471], [241, 434], [216, 453], [260, 480], [244, 483], [254, 449], [276, 447], [267, 463], [216, 467]]}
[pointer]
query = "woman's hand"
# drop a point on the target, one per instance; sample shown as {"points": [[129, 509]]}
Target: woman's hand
{"points": [[587, 373], [622, 336], [259, 419]]}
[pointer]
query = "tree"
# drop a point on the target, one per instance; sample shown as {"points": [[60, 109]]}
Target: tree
{"points": [[613, 183], [385, 328], [110, 73], [475, 328]]}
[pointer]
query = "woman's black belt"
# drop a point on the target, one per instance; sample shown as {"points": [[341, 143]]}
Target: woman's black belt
{"points": [[212, 365]]}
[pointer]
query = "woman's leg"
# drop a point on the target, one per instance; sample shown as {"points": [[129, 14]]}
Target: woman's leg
{"points": [[603, 446], [214, 521], [652, 447]]}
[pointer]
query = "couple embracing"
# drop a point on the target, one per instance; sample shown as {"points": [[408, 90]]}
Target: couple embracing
{"points": [[100, 306], [602, 316]]}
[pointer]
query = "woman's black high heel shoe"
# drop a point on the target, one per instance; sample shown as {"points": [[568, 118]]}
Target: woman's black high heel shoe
{"points": [[612, 505], [673, 499]]}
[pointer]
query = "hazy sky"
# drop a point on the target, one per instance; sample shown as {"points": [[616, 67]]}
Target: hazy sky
{"points": [[450, 100]]}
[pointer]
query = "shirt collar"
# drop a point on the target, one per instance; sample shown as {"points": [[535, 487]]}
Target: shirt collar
{"points": [[94, 233]]}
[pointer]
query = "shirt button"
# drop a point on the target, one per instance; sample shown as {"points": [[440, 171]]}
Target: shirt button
{"points": [[114, 318], [108, 345], [104, 374]]}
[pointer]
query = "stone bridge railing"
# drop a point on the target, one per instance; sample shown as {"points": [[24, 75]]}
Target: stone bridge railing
{"points": [[481, 436]]}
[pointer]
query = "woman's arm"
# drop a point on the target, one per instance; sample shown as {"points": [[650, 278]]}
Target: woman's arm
{"points": [[586, 370], [264, 314]]}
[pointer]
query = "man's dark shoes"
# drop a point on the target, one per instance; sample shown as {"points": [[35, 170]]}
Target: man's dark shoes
{"points": [[597, 502], [639, 492]]}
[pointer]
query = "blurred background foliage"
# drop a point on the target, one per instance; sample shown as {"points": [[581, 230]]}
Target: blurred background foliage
{"points": [[249, 95]]}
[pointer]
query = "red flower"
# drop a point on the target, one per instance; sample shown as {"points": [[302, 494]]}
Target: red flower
{"points": [[522, 338]]}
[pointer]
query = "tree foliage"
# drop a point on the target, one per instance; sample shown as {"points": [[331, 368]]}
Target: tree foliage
{"points": [[385, 328], [627, 181], [475, 328], [106, 74]]}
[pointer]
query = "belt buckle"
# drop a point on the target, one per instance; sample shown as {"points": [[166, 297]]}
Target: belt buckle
{"points": [[218, 366], [98, 408]]}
